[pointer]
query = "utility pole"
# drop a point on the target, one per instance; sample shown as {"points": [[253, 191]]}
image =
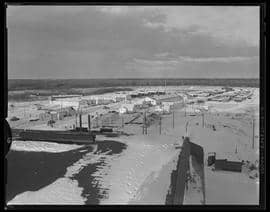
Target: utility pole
{"points": [[202, 119], [185, 107], [97, 120], [186, 128], [80, 119], [145, 124], [253, 129], [173, 116], [76, 119], [160, 125], [165, 85], [89, 123]]}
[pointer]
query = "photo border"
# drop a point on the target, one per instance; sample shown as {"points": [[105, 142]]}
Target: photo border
{"points": [[4, 100]]}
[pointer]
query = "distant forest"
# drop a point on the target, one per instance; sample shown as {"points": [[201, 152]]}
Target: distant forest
{"points": [[44, 84]]}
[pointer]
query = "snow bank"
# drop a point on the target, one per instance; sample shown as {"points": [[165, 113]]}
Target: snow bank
{"points": [[37, 146], [156, 186], [63, 191]]}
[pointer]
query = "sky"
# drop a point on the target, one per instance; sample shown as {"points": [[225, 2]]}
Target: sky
{"points": [[133, 42]]}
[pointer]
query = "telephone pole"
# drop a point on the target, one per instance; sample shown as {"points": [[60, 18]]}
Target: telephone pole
{"points": [[173, 117], [203, 119], [185, 107], [76, 119], [145, 124], [186, 128], [160, 125], [89, 123], [253, 129], [80, 120]]}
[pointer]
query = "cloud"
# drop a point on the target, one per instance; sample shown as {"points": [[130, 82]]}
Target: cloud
{"points": [[229, 24], [114, 10], [96, 42], [173, 62], [187, 67], [217, 59]]}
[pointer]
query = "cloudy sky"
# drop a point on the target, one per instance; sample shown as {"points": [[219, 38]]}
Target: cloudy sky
{"points": [[133, 42]]}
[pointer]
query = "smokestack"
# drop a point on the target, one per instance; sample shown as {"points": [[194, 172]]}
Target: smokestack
{"points": [[80, 118], [89, 122]]}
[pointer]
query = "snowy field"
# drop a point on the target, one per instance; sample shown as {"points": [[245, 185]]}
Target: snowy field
{"points": [[140, 172]]}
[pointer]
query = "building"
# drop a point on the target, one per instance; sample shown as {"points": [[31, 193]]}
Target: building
{"points": [[58, 114], [64, 101], [92, 101], [127, 108], [167, 106], [158, 108], [224, 164], [150, 100], [48, 116], [101, 99], [64, 112], [171, 98], [146, 101]]}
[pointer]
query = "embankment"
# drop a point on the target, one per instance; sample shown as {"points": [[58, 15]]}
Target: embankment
{"points": [[181, 176]]}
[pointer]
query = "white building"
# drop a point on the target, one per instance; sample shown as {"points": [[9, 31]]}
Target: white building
{"points": [[167, 105], [158, 108], [126, 108], [146, 100]]}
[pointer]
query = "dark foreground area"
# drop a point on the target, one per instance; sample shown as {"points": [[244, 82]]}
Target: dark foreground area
{"points": [[31, 171]]}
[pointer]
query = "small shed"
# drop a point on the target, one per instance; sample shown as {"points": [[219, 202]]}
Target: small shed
{"points": [[224, 164]]}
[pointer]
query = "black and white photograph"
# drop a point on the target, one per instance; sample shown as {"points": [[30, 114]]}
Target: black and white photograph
{"points": [[133, 105]]}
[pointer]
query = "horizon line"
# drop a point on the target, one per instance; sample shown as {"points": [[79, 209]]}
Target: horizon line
{"points": [[127, 78]]}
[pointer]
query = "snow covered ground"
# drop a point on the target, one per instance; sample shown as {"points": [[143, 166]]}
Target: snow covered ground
{"points": [[63, 191], [140, 174], [37, 146], [121, 174], [142, 161]]}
